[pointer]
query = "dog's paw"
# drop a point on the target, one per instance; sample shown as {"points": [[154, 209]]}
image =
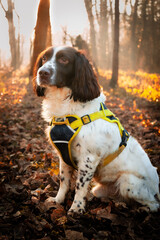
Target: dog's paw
{"points": [[75, 212], [55, 200], [76, 209], [51, 200]]}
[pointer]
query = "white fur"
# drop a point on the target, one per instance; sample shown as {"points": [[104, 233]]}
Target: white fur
{"points": [[131, 173]]}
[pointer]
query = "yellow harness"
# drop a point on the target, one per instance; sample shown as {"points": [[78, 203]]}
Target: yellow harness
{"points": [[65, 129]]}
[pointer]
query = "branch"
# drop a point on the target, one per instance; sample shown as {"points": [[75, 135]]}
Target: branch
{"points": [[3, 7], [18, 18], [97, 15], [15, 11]]}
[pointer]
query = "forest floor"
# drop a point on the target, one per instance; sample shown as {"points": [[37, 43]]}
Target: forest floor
{"points": [[29, 171]]}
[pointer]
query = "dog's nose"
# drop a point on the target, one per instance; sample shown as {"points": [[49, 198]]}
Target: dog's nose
{"points": [[45, 73]]}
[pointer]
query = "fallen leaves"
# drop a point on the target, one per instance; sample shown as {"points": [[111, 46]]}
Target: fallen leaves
{"points": [[138, 83], [29, 173], [13, 89], [74, 235], [57, 216]]}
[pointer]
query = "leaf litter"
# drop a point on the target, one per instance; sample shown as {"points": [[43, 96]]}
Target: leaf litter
{"points": [[29, 171]]}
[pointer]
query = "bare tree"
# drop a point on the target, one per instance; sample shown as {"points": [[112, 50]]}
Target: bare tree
{"points": [[133, 36], [42, 37], [115, 61], [67, 37], [19, 56], [49, 35], [102, 18], [143, 42], [112, 32], [153, 36], [88, 5], [11, 29]]}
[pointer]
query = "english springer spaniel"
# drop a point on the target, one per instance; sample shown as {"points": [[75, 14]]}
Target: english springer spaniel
{"points": [[87, 135]]}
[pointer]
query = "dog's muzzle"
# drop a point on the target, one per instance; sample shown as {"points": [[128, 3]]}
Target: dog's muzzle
{"points": [[45, 76]]}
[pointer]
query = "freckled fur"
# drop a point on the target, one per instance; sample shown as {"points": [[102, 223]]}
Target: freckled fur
{"points": [[131, 174]]}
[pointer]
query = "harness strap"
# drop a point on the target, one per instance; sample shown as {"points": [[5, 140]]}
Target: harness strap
{"points": [[112, 156], [75, 123], [104, 113], [90, 118]]}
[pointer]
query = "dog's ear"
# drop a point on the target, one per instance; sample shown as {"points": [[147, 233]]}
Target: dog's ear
{"points": [[84, 86], [37, 89]]}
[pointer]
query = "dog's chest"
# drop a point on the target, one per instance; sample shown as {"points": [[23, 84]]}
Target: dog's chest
{"points": [[92, 141]]}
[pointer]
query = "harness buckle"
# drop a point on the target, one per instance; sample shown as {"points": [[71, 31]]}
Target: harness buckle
{"points": [[86, 119], [125, 136], [59, 121]]}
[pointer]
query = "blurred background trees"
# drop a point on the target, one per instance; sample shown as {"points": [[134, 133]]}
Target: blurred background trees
{"points": [[16, 56], [115, 61], [130, 35], [139, 33], [42, 35]]}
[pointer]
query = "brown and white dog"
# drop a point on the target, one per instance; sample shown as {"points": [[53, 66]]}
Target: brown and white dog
{"points": [[66, 80]]}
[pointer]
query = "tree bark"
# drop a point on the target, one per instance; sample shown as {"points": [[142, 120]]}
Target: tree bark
{"points": [[115, 62], [133, 37], [103, 33], [42, 32], [49, 35], [143, 49], [11, 31], [110, 53], [12, 38], [153, 37], [88, 5]]}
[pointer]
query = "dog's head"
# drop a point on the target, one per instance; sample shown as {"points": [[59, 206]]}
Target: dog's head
{"points": [[65, 67]]}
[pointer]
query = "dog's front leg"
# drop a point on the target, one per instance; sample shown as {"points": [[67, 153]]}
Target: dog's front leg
{"points": [[86, 172], [65, 177]]}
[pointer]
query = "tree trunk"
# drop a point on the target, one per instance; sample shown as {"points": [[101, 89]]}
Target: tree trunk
{"points": [[143, 48], [103, 25], [13, 42], [19, 57], [11, 30], [153, 37], [49, 35], [42, 32], [112, 35], [115, 62], [133, 37], [88, 5]]}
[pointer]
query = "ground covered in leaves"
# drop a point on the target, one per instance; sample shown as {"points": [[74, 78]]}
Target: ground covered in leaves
{"points": [[29, 171]]}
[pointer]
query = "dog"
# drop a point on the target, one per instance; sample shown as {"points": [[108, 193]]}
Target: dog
{"points": [[72, 96]]}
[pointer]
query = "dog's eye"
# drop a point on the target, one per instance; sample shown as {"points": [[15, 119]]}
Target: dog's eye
{"points": [[44, 59], [63, 60]]}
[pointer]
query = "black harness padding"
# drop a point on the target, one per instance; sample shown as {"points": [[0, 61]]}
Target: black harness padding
{"points": [[64, 130], [60, 136]]}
